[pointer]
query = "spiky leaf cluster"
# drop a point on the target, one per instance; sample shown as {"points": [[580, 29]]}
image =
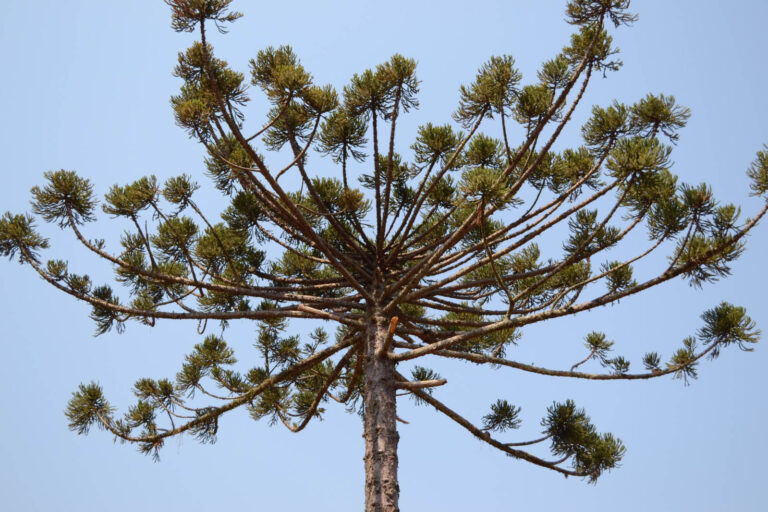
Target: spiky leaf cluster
{"points": [[503, 417], [573, 435]]}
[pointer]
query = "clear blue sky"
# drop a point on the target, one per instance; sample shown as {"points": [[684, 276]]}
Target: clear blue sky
{"points": [[86, 85]]}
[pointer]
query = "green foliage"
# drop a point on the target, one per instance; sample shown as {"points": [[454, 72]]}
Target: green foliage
{"points": [[342, 135], [619, 277], [225, 164], [86, 406], [666, 218], [270, 401], [57, 269], [297, 263], [587, 235], [486, 186], [320, 100], [141, 414], [646, 190], [724, 325], [727, 324], [585, 12], [710, 248], [572, 166], [292, 124], [186, 14], [503, 417], [637, 155], [377, 92], [212, 353], [758, 173], [175, 238], [563, 172], [572, 434], [606, 126], [598, 346], [555, 73], [339, 199], [244, 214], [401, 172], [526, 259], [533, 104], [419, 373], [493, 91], [277, 350], [104, 316], [484, 151], [435, 143], [399, 74], [198, 102], [129, 200], [220, 248], [366, 93], [179, 190], [619, 365], [487, 225], [652, 362], [655, 114], [132, 273], [593, 46], [279, 74], [440, 192], [698, 200], [684, 361], [494, 343], [17, 233], [66, 198], [486, 275]]}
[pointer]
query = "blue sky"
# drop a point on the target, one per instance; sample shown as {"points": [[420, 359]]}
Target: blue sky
{"points": [[86, 86]]}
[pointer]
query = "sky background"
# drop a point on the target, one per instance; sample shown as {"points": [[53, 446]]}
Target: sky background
{"points": [[86, 86]]}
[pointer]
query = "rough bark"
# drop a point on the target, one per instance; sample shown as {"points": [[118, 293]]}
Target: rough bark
{"points": [[382, 491]]}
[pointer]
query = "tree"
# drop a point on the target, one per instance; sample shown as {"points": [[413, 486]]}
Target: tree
{"points": [[499, 286]]}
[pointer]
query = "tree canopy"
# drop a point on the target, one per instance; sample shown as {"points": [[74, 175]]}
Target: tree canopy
{"points": [[437, 256]]}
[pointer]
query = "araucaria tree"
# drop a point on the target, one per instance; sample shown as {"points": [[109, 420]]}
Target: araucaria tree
{"points": [[427, 253]]}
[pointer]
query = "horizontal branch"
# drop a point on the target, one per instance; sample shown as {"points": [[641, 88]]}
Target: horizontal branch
{"points": [[482, 359], [325, 315], [420, 384], [246, 398], [485, 436]]}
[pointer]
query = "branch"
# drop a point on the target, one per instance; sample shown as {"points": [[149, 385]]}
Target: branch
{"points": [[420, 384], [319, 396], [482, 359], [384, 348], [486, 437], [585, 306], [246, 398]]}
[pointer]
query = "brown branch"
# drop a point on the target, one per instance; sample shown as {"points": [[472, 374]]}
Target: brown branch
{"points": [[320, 394], [585, 306], [420, 384], [384, 348], [335, 257], [246, 398], [325, 315], [482, 359], [486, 437]]}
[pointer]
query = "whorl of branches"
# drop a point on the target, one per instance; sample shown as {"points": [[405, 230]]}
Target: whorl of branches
{"points": [[446, 240]]}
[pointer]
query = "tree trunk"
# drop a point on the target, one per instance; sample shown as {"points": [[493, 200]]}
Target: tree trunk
{"points": [[382, 491]]}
